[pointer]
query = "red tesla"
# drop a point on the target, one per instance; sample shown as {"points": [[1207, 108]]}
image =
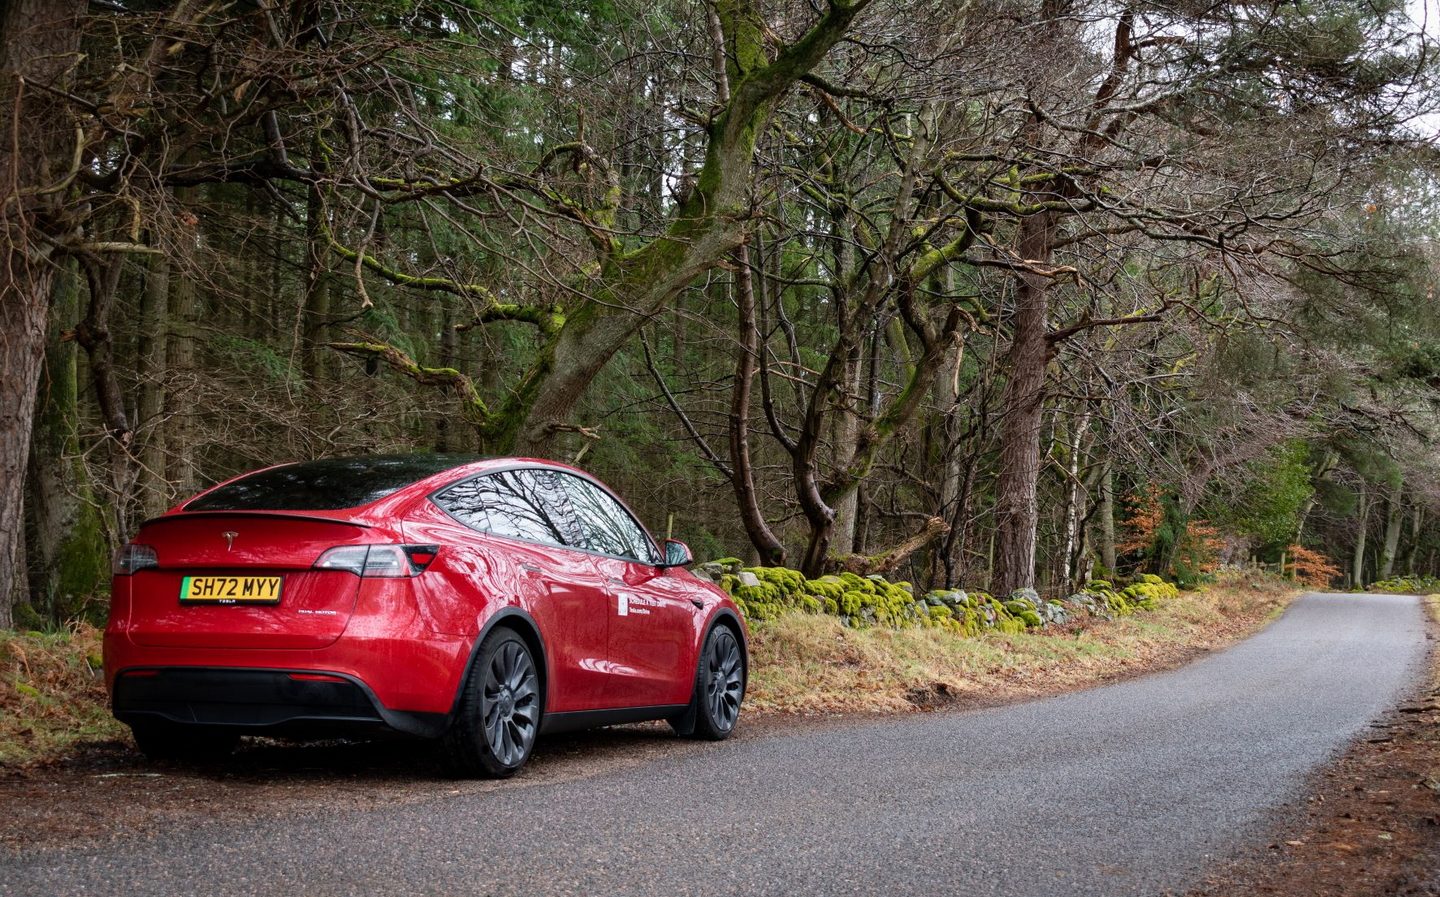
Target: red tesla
{"points": [[476, 602]]}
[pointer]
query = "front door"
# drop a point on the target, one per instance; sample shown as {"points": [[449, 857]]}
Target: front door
{"points": [[652, 623]]}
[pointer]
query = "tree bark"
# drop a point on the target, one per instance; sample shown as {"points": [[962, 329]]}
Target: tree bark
{"points": [[151, 484], [771, 550], [1357, 563], [1074, 496], [316, 312], [1393, 521], [65, 545], [1023, 401], [39, 43], [1412, 554], [180, 362], [1107, 519]]}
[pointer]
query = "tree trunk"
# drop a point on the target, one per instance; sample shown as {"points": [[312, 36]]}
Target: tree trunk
{"points": [[1074, 511], [1357, 564], [39, 43], [845, 433], [180, 362], [445, 440], [94, 336], [151, 484], [1107, 519], [1393, 521], [316, 312], [1023, 405], [770, 548], [65, 545], [1324, 471], [1412, 555]]}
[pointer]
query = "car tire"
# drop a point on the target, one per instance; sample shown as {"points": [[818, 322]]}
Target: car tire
{"points": [[500, 708], [719, 689], [174, 742]]}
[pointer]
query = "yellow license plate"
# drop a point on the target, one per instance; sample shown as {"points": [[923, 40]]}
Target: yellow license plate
{"points": [[230, 590]]}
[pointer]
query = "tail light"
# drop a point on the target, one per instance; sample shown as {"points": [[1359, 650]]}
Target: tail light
{"points": [[132, 557], [379, 560]]}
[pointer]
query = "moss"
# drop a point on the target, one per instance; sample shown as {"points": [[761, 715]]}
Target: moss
{"points": [[832, 606], [856, 583], [831, 587], [782, 578], [1030, 618]]}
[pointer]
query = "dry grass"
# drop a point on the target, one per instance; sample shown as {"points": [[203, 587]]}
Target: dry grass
{"points": [[51, 694], [812, 664]]}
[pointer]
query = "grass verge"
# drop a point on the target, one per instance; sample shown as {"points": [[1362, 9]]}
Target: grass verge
{"points": [[814, 665]]}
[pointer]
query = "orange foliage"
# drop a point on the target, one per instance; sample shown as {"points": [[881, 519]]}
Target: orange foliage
{"points": [[1309, 567], [1141, 525], [1199, 547]]}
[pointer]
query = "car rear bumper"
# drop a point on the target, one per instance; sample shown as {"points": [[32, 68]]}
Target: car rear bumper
{"points": [[263, 701]]}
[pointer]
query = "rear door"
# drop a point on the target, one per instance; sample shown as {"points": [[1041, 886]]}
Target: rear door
{"points": [[652, 624], [527, 532], [255, 588]]}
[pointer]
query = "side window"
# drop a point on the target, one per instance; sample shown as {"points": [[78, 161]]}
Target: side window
{"points": [[605, 525], [520, 504]]}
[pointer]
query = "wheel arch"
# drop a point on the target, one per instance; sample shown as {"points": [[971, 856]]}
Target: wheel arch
{"points": [[524, 625]]}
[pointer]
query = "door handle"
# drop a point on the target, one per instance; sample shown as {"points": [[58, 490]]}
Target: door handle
{"points": [[699, 604], [529, 568], [617, 581]]}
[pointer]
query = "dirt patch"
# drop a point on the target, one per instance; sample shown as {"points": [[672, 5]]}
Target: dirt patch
{"points": [[1370, 826]]}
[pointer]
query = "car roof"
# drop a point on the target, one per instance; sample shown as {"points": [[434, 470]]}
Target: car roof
{"points": [[402, 477]]}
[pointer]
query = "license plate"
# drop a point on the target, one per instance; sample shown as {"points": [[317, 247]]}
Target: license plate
{"points": [[230, 590]]}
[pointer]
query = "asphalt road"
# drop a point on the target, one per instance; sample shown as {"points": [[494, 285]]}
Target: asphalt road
{"points": [[1136, 788]]}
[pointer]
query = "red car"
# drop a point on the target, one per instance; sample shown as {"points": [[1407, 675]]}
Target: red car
{"points": [[477, 602]]}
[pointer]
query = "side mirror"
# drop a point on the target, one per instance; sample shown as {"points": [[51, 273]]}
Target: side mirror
{"points": [[677, 554]]}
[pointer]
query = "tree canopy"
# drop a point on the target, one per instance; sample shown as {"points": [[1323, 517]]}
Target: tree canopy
{"points": [[1003, 294]]}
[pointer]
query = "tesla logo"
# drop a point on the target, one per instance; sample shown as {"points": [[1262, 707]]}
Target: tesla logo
{"points": [[229, 540]]}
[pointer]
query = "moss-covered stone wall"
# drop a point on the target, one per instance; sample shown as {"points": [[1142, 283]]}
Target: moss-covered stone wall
{"points": [[764, 593]]}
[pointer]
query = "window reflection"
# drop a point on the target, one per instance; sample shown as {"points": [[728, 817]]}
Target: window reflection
{"points": [[520, 504], [605, 525]]}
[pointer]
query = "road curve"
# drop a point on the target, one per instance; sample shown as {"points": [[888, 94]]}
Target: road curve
{"points": [[1132, 789]]}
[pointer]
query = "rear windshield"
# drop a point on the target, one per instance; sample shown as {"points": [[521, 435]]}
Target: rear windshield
{"points": [[325, 485]]}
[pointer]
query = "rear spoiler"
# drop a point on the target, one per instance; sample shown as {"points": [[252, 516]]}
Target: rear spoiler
{"points": [[275, 515]]}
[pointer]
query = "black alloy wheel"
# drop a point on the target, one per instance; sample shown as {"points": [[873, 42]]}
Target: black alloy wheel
{"points": [[719, 689], [499, 716]]}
